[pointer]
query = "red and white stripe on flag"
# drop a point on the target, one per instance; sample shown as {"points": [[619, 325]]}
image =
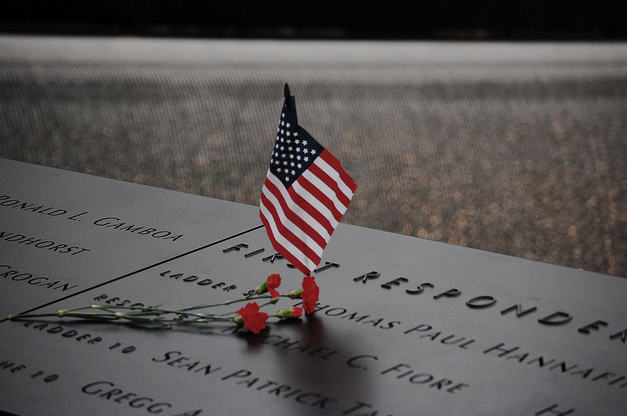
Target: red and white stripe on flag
{"points": [[300, 219]]}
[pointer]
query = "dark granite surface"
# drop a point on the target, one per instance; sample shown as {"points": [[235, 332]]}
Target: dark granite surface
{"points": [[510, 148], [403, 325]]}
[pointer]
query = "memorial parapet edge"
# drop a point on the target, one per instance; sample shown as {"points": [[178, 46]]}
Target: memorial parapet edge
{"points": [[404, 326]]}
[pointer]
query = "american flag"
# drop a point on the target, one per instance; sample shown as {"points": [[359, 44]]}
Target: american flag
{"points": [[305, 194]]}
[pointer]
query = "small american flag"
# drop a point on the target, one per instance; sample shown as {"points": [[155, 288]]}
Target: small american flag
{"points": [[305, 194]]}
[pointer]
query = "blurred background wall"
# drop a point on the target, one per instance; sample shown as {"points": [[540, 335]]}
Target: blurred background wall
{"points": [[501, 129]]}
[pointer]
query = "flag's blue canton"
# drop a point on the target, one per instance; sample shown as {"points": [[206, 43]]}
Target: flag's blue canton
{"points": [[294, 149]]}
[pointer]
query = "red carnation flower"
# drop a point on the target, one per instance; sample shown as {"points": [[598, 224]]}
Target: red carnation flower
{"points": [[254, 320], [274, 281], [310, 294]]}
